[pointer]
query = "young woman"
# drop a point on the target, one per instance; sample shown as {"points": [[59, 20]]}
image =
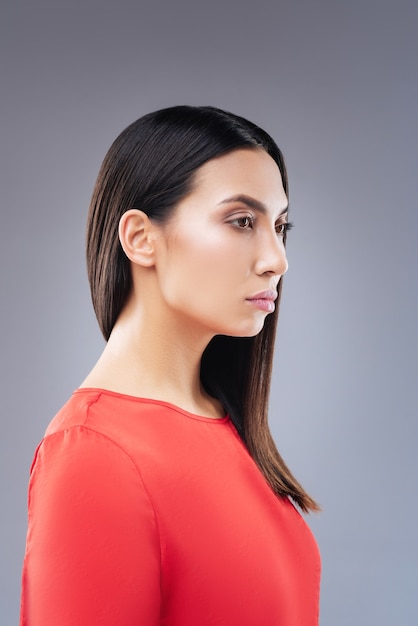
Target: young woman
{"points": [[157, 496]]}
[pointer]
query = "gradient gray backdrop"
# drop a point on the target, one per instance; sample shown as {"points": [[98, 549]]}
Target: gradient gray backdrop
{"points": [[336, 84]]}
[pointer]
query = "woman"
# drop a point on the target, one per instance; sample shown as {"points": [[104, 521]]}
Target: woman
{"points": [[157, 495]]}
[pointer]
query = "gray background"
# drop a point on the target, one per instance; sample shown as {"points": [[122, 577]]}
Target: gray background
{"points": [[336, 84]]}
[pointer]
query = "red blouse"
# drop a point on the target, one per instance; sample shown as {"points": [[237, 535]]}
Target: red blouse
{"points": [[141, 513]]}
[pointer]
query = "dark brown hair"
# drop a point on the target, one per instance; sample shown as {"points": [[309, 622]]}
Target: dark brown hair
{"points": [[151, 166]]}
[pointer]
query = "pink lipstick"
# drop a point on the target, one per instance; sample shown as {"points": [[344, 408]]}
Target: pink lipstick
{"points": [[264, 300]]}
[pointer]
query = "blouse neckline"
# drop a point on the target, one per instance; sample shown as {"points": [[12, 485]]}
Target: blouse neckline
{"points": [[141, 400]]}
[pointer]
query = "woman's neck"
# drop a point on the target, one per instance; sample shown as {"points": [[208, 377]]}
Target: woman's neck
{"points": [[155, 358]]}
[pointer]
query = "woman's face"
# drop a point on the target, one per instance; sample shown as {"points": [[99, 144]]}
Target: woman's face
{"points": [[221, 254]]}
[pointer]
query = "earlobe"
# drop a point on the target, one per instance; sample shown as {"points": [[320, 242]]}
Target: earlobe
{"points": [[135, 235]]}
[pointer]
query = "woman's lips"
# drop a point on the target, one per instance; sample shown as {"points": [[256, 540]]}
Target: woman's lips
{"points": [[264, 300]]}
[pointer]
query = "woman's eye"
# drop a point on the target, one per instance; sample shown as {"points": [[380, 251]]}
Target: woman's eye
{"points": [[283, 228], [246, 221]]}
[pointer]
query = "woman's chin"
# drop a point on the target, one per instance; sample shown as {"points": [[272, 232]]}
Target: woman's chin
{"points": [[249, 330]]}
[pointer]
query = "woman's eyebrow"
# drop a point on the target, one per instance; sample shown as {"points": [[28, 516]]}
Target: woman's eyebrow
{"points": [[252, 203]]}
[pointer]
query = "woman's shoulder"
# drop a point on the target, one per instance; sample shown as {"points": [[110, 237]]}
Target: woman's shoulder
{"points": [[106, 414], [103, 410], [74, 412], [111, 411], [154, 434], [86, 432]]}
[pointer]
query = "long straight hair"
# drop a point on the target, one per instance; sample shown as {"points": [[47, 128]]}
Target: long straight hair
{"points": [[151, 166]]}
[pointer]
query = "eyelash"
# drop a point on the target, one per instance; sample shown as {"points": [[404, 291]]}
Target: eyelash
{"points": [[251, 220]]}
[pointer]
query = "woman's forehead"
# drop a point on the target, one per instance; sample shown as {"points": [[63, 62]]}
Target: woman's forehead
{"points": [[243, 172]]}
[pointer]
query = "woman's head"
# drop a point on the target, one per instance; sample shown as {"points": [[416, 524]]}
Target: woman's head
{"points": [[151, 166]]}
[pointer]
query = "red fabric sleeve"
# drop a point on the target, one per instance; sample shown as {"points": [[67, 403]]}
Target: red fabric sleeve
{"points": [[93, 552]]}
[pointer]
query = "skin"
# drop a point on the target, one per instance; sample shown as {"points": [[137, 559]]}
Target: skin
{"points": [[195, 277]]}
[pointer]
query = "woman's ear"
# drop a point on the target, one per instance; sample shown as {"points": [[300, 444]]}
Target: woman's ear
{"points": [[136, 235]]}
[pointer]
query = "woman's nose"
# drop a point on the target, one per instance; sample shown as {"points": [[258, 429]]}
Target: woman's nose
{"points": [[272, 256]]}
